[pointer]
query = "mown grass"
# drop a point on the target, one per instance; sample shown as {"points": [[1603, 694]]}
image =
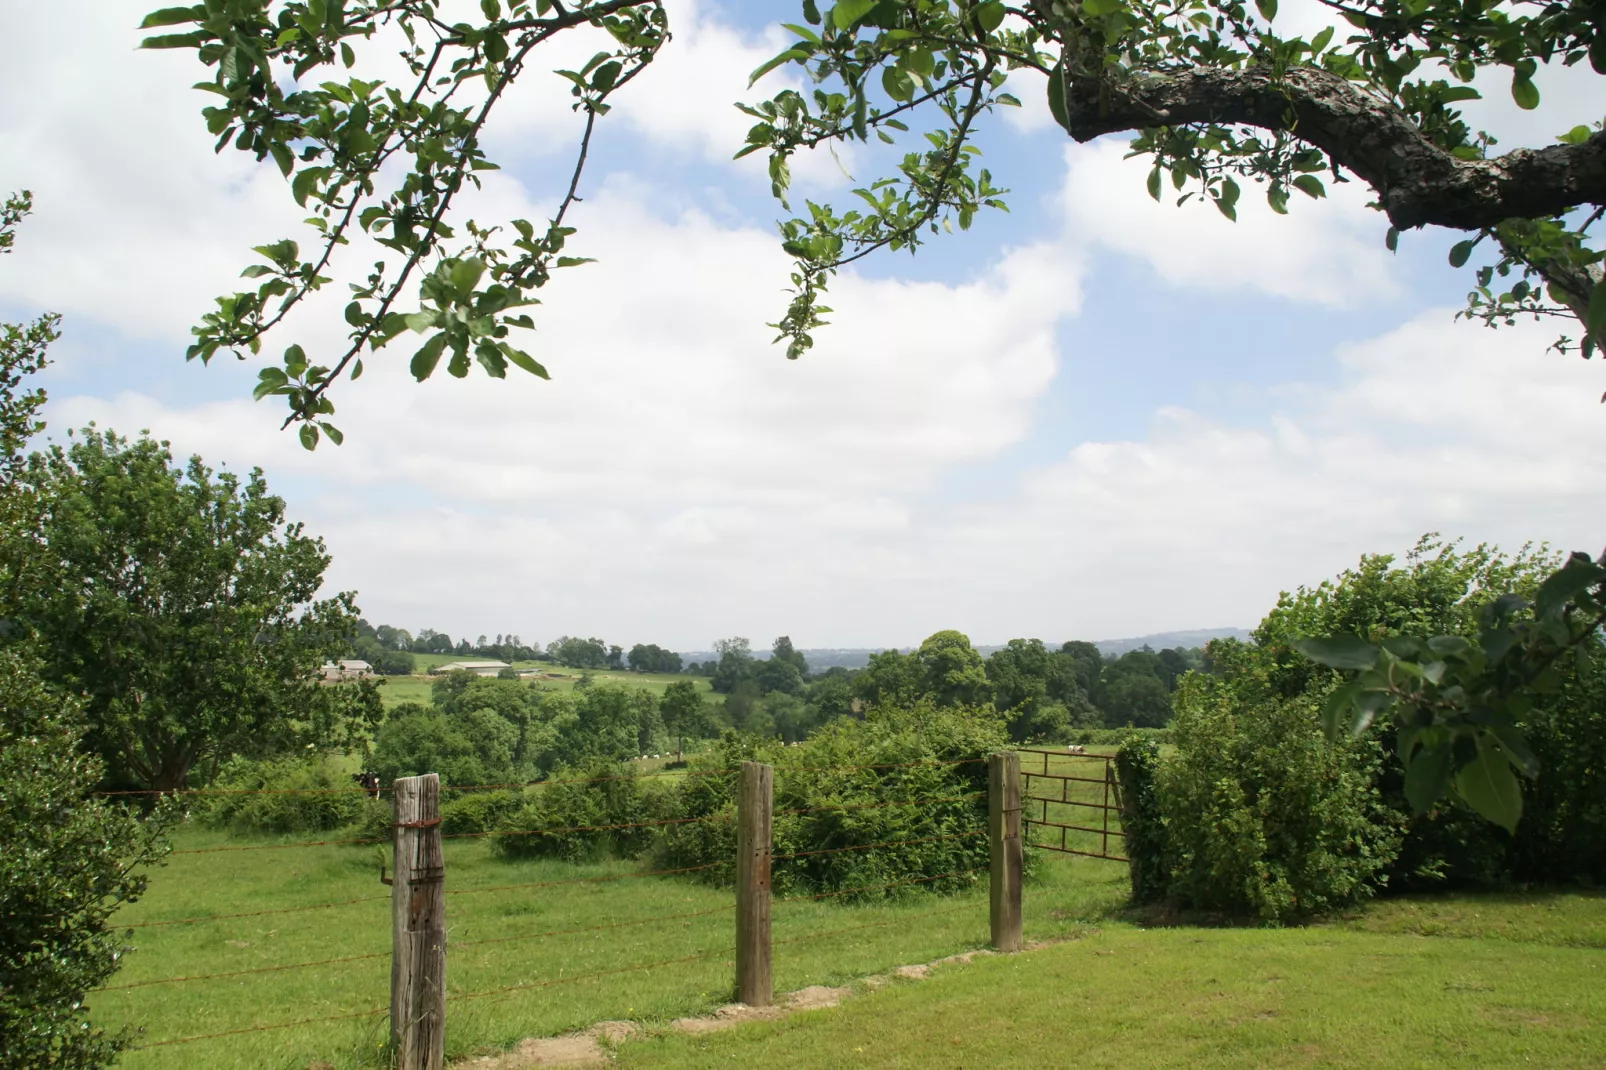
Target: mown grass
{"points": [[228, 882], [1512, 980]]}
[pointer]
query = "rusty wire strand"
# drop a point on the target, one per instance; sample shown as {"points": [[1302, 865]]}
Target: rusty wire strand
{"points": [[585, 880], [880, 887], [884, 843], [260, 1028], [589, 928], [445, 787], [241, 973], [877, 805], [591, 976], [874, 925], [254, 913]]}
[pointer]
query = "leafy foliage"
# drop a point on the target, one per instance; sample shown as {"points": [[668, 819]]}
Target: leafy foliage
{"points": [[185, 609], [1262, 816], [286, 794], [69, 862]]}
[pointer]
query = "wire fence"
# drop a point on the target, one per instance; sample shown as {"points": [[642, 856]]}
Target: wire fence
{"points": [[405, 892]]}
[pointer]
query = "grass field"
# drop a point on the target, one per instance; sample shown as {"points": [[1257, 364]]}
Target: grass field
{"points": [[1449, 981], [1514, 981], [399, 689], [238, 882]]}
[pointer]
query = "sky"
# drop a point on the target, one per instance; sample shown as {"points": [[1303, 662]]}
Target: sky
{"points": [[1094, 416]]}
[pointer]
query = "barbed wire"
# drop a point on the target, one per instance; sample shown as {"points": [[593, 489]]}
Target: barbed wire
{"points": [[884, 843], [355, 788], [590, 928], [876, 765], [254, 913], [876, 805], [586, 828], [242, 973], [585, 880], [880, 887], [260, 1028], [276, 846], [590, 976], [874, 925]]}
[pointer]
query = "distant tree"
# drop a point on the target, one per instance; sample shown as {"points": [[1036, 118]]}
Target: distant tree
{"points": [[181, 604], [685, 714], [429, 641], [612, 722], [890, 679], [396, 663], [778, 675], [616, 658], [830, 696], [790, 717], [744, 709], [576, 653], [954, 674], [1086, 664], [735, 664], [1136, 699], [782, 650], [650, 657], [464, 648], [1175, 662], [474, 748]]}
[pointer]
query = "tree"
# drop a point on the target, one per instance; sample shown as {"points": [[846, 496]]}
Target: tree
{"points": [[782, 650], [735, 664], [954, 674], [576, 653], [685, 714], [183, 606], [1213, 92], [890, 679], [71, 859]]}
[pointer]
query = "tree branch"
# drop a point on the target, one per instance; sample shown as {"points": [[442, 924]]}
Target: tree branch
{"points": [[1417, 182]]}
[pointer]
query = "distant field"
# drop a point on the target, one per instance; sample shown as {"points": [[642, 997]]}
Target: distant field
{"points": [[399, 689]]}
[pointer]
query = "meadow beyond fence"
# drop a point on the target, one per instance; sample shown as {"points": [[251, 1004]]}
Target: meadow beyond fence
{"points": [[478, 952]]}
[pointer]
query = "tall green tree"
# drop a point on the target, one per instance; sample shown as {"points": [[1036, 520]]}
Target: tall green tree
{"points": [[183, 606], [954, 673], [70, 859]]}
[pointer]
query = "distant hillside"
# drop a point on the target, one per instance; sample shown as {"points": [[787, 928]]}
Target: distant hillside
{"points": [[858, 657]]}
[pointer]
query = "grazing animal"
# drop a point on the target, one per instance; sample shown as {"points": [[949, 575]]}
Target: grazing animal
{"points": [[368, 781], [1076, 748]]}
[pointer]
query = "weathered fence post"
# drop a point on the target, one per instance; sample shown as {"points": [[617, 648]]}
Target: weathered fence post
{"points": [[753, 884], [418, 928], [1004, 848]]}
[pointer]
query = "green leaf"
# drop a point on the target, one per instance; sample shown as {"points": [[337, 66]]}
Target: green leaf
{"points": [[898, 85], [1154, 182], [1489, 785], [990, 16], [172, 16], [333, 432], [173, 40], [1426, 774], [1267, 9], [523, 360], [1595, 315], [1576, 136], [1056, 97], [1391, 240], [1337, 708], [1449, 645], [847, 12], [1321, 40], [1339, 651], [309, 437], [1461, 251], [1310, 185], [1524, 92], [428, 355], [1566, 583], [1459, 93]]}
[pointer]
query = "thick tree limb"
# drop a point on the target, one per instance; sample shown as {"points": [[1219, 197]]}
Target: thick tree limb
{"points": [[1417, 182]]}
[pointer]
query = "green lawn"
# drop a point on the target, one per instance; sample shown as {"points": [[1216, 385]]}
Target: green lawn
{"points": [[1502, 981], [1462, 981], [234, 882]]}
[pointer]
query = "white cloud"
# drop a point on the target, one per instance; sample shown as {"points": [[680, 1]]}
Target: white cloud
{"points": [[1329, 252]]}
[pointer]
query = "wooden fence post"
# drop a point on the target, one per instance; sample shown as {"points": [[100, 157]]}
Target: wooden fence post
{"points": [[1004, 848], [418, 928], [753, 884]]}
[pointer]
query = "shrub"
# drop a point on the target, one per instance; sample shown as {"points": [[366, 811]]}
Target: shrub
{"points": [[69, 862], [1263, 816], [576, 816], [479, 811], [276, 795], [1137, 766], [849, 786]]}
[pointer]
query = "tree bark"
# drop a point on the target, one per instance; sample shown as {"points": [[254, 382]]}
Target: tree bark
{"points": [[1417, 182]]}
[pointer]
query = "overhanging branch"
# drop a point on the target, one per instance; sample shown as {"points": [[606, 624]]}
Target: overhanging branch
{"points": [[1417, 182]]}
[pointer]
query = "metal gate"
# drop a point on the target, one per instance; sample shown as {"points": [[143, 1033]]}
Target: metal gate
{"points": [[1058, 788]]}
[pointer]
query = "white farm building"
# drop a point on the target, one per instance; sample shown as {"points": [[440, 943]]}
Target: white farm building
{"points": [[478, 668]]}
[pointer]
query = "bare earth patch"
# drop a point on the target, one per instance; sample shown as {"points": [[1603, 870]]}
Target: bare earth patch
{"points": [[593, 1047]]}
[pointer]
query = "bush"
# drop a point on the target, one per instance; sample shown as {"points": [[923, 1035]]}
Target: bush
{"points": [[1137, 767], [575, 816], [1263, 816], [479, 811], [297, 794], [69, 862], [1113, 737], [828, 800]]}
